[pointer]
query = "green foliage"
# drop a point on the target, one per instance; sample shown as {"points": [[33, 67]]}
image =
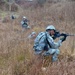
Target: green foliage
{"points": [[3, 0], [21, 57], [3, 60], [3, 14]]}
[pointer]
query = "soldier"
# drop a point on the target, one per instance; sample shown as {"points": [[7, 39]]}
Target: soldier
{"points": [[44, 44], [13, 17], [24, 23], [32, 35]]}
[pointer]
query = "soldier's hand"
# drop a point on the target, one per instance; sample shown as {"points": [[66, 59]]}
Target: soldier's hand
{"points": [[63, 38]]}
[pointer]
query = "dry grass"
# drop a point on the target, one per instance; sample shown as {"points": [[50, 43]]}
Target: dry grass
{"points": [[16, 54]]}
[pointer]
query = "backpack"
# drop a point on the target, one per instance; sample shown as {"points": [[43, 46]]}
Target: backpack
{"points": [[38, 38]]}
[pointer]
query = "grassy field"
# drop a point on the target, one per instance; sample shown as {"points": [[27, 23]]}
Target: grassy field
{"points": [[16, 54]]}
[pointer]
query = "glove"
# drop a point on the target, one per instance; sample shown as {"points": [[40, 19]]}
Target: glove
{"points": [[64, 37], [54, 37]]}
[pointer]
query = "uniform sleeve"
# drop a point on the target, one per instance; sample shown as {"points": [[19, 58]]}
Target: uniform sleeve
{"points": [[52, 43]]}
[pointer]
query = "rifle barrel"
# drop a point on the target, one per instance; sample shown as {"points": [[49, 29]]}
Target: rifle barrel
{"points": [[70, 34]]}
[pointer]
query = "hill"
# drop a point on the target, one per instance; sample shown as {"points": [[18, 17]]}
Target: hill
{"points": [[16, 54]]}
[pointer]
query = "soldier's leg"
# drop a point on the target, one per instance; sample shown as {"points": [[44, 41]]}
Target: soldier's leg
{"points": [[53, 52]]}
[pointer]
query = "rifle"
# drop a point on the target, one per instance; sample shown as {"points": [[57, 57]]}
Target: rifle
{"points": [[70, 34], [64, 34], [58, 34]]}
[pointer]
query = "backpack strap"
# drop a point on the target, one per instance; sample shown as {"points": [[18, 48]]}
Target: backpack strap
{"points": [[41, 36], [47, 41]]}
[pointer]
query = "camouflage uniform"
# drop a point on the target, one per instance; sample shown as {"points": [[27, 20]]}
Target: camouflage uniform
{"points": [[45, 49], [32, 35], [24, 23]]}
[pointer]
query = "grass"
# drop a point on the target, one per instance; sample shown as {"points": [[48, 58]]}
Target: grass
{"points": [[16, 53]]}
